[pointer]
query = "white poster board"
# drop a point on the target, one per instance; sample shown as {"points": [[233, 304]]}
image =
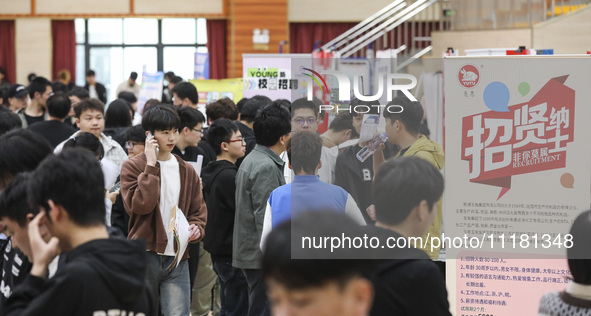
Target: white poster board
{"points": [[277, 76], [517, 174]]}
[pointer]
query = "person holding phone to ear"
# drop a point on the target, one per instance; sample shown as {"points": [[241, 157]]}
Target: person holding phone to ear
{"points": [[159, 188], [151, 140]]}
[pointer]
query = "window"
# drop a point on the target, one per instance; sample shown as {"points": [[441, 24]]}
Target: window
{"points": [[113, 48], [179, 31], [105, 31], [140, 31]]}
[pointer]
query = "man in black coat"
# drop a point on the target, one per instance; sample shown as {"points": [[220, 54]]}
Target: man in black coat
{"points": [[405, 193], [95, 89], [55, 130]]}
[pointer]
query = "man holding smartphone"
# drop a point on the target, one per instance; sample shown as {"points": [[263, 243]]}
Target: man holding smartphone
{"points": [[159, 190]]}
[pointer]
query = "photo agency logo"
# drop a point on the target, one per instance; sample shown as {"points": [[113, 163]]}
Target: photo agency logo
{"points": [[390, 85]]}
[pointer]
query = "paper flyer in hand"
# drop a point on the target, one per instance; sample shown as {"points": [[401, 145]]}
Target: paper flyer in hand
{"points": [[197, 165], [181, 235]]}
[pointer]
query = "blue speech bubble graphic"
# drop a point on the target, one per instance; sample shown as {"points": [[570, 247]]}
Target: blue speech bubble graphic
{"points": [[496, 96]]}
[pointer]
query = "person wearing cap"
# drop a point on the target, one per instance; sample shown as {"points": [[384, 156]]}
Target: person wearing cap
{"points": [[129, 85], [95, 89], [18, 97], [36, 111]]}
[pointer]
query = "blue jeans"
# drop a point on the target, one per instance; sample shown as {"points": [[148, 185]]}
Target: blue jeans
{"points": [[234, 289], [172, 286], [258, 305]]}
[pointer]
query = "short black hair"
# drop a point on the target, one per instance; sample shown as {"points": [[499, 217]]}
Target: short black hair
{"points": [[31, 77], [87, 141], [39, 84], [270, 124], [168, 75], [58, 105], [303, 103], [297, 274], [135, 133], [223, 108], [88, 104], [186, 90], [220, 131], [58, 86], [240, 104], [285, 103], [150, 103], [127, 96], [401, 184], [411, 115], [13, 200], [176, 79], [372, 106], [304, 150], [343, 122], [424, 129], [160, 117], [79, 92], [579, 255], [21, 150], [190, 117], [117, 114], [90, 73], [252, 106], [74, 180], [9, 121]]}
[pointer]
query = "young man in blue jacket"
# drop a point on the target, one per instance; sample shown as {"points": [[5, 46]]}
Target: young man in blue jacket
{"points": [[307, 192]]}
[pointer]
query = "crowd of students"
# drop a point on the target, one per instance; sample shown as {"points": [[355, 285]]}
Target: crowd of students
{"points": [[98, 206]]}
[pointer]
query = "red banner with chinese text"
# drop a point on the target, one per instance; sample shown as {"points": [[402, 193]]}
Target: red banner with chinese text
{"points": [[530, 137]]}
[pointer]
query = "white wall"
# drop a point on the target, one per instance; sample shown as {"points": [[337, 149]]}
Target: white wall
{"points": [[179, 7], [113, 7], [346, 10], [461, 40], [33, 48], [81, 6], [15, 7], [568, 34]]}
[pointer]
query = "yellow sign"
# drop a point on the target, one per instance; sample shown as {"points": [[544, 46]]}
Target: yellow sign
{"points": [[213, 90]]}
